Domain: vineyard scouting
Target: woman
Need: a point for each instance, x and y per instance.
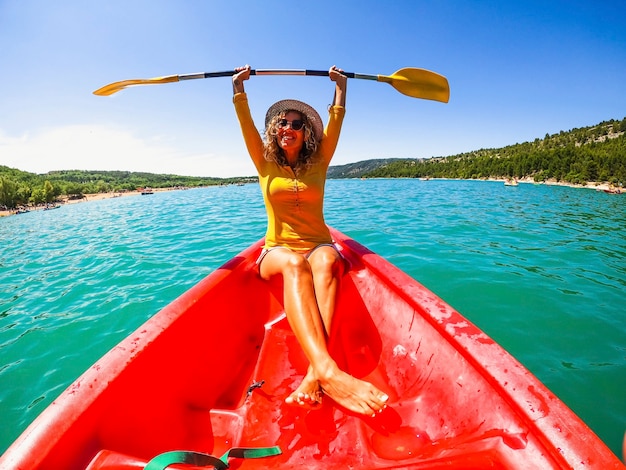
(292, 165)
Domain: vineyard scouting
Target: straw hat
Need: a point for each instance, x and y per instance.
(294, 105)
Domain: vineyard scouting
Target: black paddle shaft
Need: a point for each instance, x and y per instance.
(313, 73)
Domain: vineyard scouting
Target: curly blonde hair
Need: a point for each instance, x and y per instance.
(272, 151)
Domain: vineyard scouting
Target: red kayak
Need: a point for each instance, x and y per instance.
(207, 377)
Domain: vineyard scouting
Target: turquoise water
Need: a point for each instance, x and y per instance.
(540, 269)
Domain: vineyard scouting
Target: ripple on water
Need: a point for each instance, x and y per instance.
(540, 269)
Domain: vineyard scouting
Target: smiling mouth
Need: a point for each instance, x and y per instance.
(287, 138)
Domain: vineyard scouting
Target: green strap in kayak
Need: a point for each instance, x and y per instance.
(162, 461)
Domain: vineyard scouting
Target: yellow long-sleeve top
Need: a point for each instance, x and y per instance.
(294, 203)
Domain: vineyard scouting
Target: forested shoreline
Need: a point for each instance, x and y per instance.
(579, 156)
(20, 188)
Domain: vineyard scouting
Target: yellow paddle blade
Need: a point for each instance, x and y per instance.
(419, 83)
(111, 88)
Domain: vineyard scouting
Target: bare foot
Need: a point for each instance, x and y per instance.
(353, 394)
(308, 394)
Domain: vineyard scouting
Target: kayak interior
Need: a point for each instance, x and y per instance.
(211, 371)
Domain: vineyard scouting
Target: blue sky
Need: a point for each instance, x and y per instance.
(517, 70)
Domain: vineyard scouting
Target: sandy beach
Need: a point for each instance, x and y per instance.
(591, 185)
(88, 197)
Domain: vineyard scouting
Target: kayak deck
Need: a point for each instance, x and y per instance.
(212, 369)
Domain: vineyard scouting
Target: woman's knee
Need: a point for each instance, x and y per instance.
(328, 261)
(297, 264)
(283, 262)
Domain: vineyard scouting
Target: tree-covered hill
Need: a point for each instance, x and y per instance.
(20, 188)
(579, 156)
(358, 169)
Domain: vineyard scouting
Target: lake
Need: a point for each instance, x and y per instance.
(541, 269)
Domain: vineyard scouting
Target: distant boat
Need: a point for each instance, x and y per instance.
(49, 207)
(614, 191)
(147, 191)
(510, 182)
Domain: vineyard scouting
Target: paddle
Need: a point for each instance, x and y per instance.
(417, 83)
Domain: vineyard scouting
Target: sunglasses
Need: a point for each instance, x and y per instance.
(296, 124)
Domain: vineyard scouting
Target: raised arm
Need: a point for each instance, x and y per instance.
(336, 113)
(341, 85)
(251, 135)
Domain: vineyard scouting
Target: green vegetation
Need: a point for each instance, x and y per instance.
(20, 188)
(580, 156)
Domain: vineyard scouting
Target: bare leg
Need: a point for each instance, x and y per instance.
(327, 269)
(306, 322)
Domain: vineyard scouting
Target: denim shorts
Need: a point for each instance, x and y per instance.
(265, 251)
